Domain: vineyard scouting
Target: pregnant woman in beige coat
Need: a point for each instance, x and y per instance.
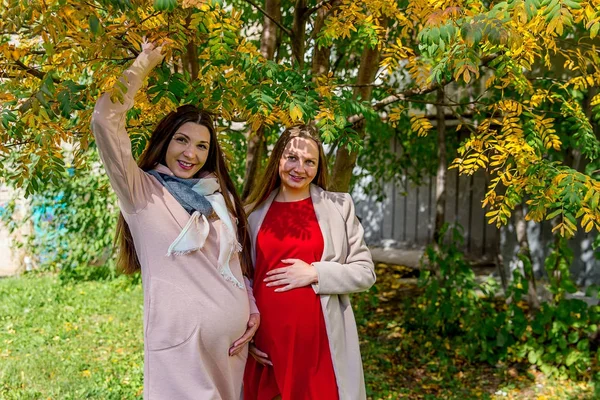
(309, 256)
(183, 226)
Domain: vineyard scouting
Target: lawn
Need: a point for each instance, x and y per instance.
(73, 341)
(84, 340)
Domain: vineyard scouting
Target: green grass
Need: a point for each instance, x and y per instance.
(72, 341)
(84, 341)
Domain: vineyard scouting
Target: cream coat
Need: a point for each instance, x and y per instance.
(346, 267)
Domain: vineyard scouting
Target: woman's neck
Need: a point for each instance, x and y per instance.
(287, 195)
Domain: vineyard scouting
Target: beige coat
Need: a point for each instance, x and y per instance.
(346, 267)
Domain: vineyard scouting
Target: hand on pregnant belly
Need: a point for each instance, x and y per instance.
(298, 274)
(252, 326)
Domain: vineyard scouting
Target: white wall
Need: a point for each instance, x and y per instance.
(10, 261)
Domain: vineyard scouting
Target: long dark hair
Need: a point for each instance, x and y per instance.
(271, 180)
(127, 260)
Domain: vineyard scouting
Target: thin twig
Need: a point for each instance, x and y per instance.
(19, 143)
(311, 11)
(463, 122)
(156, 13)
(96, 7)
(283, 28)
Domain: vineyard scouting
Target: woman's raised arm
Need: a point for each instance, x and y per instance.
(108, 127)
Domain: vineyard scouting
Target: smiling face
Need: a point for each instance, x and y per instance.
(188, 150)
(298, 166)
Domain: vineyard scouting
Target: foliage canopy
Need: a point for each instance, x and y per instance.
(520, 77)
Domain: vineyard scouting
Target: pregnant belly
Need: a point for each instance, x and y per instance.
(293, 315)
(174, 316)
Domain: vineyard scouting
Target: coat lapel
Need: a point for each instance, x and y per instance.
(322, 213)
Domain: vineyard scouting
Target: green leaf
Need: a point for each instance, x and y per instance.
(568, 285)
(594, 30)
(573, 337)
(500, 339)
(572, 4)
(532, 357)
(583, 345)
(94, 24)
(553, 214)
(572, 357)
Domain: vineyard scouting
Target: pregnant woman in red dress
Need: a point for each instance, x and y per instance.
(309, 254)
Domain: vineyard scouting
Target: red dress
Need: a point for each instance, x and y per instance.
(292, 328)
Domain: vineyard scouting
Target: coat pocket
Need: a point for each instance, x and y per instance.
(172, 316)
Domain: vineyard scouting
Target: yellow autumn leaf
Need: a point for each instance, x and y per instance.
(296, 113)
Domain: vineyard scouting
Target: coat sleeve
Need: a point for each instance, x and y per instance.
(251, 299)
(114, 146)
(357, 272)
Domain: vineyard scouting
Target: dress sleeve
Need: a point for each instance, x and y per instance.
(251, 299)
(114, 146)
(357, 273)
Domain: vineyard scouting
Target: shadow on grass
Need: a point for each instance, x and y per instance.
(80, 340)
(400, 363)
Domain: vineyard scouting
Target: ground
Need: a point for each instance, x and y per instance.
(84, 340)
(400, 364)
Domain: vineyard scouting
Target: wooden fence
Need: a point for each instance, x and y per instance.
(407, 214)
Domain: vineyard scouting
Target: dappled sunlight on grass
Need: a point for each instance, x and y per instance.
(70, 341)
(84, 340)
(400, 363)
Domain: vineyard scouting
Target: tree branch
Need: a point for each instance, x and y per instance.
(405, 95)
(6, 75)
(119, 60)
(32, 71)
(283, 28)
(95, 6)
(298, 42)
(311, 11)
(360, 85)
(444, 104)
(19, 143)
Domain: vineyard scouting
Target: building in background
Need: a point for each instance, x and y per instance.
(13, 260)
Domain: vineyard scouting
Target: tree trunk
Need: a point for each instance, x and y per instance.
(499, 261)
(299, 33)
(268, 39)
(191, 55)
(344, 160)
(523, 240)
(440, 182)
(257, 150)
(257, 145)
(320, 65)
